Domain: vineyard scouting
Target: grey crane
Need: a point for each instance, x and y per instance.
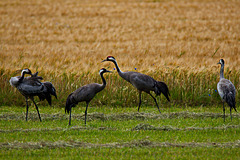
(31, 86)
(85, 94)
(226, 90)
(142, 82)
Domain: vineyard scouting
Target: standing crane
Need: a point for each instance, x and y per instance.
(85, 94)
(226, 90)
(31, 86)
(142, 82)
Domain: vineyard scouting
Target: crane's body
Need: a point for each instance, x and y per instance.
(32, 86)
(226, 90)
(85, 94)
(142, 82)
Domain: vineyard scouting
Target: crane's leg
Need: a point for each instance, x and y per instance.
(155, 101)
(231, 113)
(37, 110)
(223, 111)
(70, 115)
(86, 113)
(26, 109)
(140, 101)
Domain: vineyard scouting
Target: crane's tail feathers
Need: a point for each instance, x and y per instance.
(49, 99)
(48, 90)
(235, 109)
(161, 87)
(230, 99)
(47, 96)
(69, 103)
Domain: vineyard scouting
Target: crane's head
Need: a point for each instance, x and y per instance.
(103, 70)
(110, 58)
(26, 71)
(221, 61)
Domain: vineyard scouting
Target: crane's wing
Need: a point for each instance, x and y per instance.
(35, 74)
(86, 93)
(142, 82)
(33, 78)
(225, 87)
(31, 87)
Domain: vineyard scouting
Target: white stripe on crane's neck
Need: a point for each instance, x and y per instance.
(112, 59)
(101, 70)
(24, 71)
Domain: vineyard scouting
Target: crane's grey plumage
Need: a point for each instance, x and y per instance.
(226, 90)
(85, 94)
(142, 82)
(32, 86)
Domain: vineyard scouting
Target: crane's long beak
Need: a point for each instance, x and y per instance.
(218, 63)
(104, 60)
(108, 71)
(18, 71)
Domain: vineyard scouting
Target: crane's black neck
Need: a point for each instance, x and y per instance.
(121, 74)
(222, 71)
(103, 79)
(22, 76)
(118, 69)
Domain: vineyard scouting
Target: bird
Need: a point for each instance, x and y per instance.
(226, 90)
(32, 86)
(85, 94)
(142, 82)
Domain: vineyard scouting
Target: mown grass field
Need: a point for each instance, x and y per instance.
(119, 133)
(178, 42)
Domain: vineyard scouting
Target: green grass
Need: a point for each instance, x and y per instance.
(125, 153)
(119, 133)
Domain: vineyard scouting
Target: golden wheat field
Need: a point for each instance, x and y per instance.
(74, 36)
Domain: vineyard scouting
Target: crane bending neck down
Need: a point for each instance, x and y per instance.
(30, 87)
(24, 71)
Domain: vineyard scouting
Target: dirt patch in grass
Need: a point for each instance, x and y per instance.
(170, 128)
(55, 129)
(140, 143)
(140, 126)
(119, 117)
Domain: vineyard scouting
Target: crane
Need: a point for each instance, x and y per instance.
(226, 90)
(142, 82)
(32, 86)
(85, 94)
